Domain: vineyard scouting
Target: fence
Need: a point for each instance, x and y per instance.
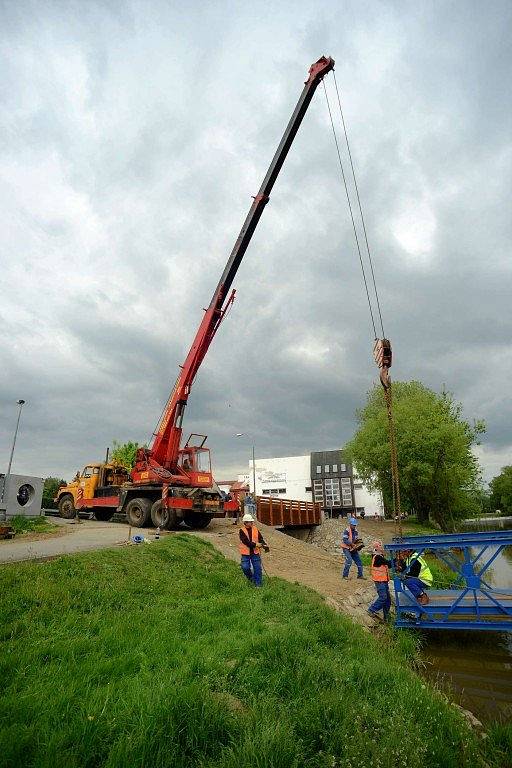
(286, 512)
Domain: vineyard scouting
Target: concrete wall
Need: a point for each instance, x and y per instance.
(289, 473)
(370, 502)
(22, 495)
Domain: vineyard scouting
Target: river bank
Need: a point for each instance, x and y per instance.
(163, 655)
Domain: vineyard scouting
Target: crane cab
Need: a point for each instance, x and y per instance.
(194, 459)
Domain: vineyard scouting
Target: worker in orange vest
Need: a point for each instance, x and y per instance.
(251, 541)
(380, 577)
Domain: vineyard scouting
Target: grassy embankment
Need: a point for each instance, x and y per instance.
(162, 655)
(23, 524)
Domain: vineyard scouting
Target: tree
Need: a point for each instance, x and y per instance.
(50, 488)
(501, 491)
(124, 453)
(439, 474)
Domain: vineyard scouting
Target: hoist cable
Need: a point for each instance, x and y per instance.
(360, 206)
(350, 209)
(395, 482)
(386, 382)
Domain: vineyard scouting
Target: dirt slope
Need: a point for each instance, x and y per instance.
(300, 562)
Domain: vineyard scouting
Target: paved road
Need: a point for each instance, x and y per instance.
(88, 534)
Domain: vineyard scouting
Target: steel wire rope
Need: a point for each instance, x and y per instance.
(395, 483)
(370, 260)
(350, 209)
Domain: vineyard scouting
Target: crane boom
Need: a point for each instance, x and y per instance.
(164, 452)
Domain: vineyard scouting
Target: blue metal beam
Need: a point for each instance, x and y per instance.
(477, 605)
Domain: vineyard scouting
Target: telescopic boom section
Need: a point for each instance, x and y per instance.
(166, 445)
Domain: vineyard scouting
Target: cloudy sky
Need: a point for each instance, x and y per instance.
(132, 136)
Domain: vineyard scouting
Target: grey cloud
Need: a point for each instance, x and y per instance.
(150, 142)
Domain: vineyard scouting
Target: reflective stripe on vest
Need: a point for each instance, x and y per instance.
(379, 572)
(425, 572)
(253, 535)
(350, 539)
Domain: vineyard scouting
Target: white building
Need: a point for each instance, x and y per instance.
(289, 477)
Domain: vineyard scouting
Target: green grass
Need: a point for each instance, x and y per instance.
(23, 524)
(412, 527)
(163, 655)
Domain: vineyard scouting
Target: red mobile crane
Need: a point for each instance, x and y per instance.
(169, 482)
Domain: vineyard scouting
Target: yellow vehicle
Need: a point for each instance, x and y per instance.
(97, 487)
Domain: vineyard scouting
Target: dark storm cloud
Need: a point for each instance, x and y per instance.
(131, 143)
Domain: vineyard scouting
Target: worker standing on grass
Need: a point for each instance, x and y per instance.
(380, 577)
(251, 541)
(351, 544)
(417, 575)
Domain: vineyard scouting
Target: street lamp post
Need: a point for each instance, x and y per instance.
(21, 403)
(242, 434)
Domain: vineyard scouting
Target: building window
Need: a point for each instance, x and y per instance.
(332, 493)
(346, 492)
(318, 469)
(318, 490)
(308, 489)
(334, 467)
(282, 490)
(343, 467)
(358, 486)
(326, 468)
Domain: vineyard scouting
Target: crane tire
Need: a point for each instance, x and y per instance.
(67, 507)
(163, 517)
(197, 520)
(138, 512)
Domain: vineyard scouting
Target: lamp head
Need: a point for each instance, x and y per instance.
(21, 402)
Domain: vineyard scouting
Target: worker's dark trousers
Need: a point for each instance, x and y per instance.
(383, 601)
(352, 557)
(251, 566)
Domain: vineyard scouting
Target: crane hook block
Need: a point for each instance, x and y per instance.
(382, 353)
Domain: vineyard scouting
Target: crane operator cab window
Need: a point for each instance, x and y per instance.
(186, 463)
(203, 460)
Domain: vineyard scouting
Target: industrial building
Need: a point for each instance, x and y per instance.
(321, 476)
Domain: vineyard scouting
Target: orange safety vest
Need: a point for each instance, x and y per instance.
(350, 539)
(253, 535)
(379, 572)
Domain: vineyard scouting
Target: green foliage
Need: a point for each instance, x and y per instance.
(50, 488)
(22, 524)
(163, 655)
(124, 453)
(501, 491)
(439, 474)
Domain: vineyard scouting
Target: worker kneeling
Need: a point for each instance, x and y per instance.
(251, 541)
(416, 574)
(380, 577)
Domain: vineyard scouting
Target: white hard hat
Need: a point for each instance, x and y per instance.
(248, 518)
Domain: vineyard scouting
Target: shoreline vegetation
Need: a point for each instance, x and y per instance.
(162, 655)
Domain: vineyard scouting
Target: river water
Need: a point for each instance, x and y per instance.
(476, 667)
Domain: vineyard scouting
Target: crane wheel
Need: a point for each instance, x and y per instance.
(67, 507)
(138, 512)
(197, 520)
(163, 517)
(104, 515)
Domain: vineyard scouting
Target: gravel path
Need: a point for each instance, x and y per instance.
(68, 538)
